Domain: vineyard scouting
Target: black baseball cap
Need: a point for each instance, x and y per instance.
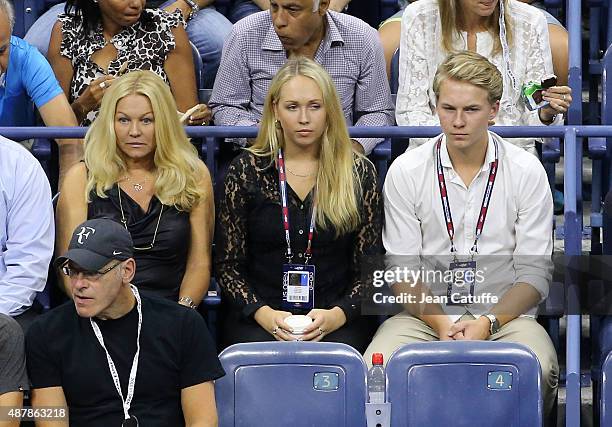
(96, 242)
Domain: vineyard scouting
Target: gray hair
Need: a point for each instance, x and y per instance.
(7, 7)
(315, 5)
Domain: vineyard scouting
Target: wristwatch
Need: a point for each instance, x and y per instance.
(494, 323)
(188, 302)
(194, 8)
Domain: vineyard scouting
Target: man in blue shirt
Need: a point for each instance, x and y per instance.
(26, 77)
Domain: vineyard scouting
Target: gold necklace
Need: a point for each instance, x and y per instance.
(124, 222)
(300, 175)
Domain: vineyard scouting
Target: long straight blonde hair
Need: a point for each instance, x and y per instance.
(338, 185)
(451, 18)
(176, 159)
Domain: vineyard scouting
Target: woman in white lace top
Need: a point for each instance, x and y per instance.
(512, 35)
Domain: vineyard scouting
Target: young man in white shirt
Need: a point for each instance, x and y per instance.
(471, 172)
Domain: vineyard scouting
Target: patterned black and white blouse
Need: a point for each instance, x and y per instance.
(144, 45)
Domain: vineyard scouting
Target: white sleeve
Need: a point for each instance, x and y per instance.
(534, 244)
(413, 107)
(536, 46)
(30, 233)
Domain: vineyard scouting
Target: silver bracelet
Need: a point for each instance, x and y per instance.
(194, 8)
(188, 301)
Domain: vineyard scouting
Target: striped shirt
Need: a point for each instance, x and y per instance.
(350, 52)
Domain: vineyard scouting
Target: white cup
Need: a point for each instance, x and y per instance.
(298, 324)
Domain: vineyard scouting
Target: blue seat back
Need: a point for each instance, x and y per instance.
(273, 385)
(394, 75)
(27, 12)
(197, 65)
(223, 6)
(604, 344)
(388, 8)
(464, 383)
(606, 391)
(606, 119)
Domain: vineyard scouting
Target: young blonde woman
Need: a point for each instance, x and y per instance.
(510, 34)
(390, 29)
(299, 213)
(141, 171)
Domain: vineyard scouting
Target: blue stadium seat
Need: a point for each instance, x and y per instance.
(597, 146)
(381, 156)
(27, 12)
(388, 8)
(554, 6)
(606, 393)
(604, 361)
(197, 65)
(279, 384)
(596, 149)
(210, 308)
(223, 6)
(44, 298)
(600, 36)
(394, 75)
(464, 383)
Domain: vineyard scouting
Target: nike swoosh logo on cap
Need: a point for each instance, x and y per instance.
(116, 253)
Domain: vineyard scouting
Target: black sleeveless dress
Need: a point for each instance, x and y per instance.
(159, 270)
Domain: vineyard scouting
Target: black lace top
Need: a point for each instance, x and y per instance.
(251, 246)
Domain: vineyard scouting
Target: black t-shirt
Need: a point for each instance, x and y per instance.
(176, 351)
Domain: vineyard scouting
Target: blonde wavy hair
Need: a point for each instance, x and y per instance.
(176, 159)
(473, 68)
(451, 18)
(338, 185)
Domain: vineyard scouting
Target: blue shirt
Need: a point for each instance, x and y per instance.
(29, 78)
(26, 228)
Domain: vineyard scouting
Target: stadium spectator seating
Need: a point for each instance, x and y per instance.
(291, 383)
(501, 379)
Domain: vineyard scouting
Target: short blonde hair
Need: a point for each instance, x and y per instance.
(338, 187)
(176, 159)
(471, 68)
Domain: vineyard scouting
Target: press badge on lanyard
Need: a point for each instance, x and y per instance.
(461, 287)
(298, 279)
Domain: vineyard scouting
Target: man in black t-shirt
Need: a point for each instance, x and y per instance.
(114, 357)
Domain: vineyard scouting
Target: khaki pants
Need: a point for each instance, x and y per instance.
(404, 329)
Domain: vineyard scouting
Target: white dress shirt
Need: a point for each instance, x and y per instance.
(27, 229)
(516, 242)
(421, 53)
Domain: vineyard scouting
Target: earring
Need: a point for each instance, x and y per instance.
(277, 124)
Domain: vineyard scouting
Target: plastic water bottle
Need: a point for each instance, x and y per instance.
(377, 380)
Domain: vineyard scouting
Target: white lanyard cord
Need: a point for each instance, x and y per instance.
(111, 365)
